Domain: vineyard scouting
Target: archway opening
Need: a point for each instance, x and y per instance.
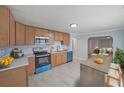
(100, 46)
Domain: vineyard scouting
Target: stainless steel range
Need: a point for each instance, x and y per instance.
(42, 61)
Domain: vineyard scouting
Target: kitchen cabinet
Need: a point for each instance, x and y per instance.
(41, 32)
(66, 38)
(20, 34)
(12, 30)
(64, 57)
(59, 58)
(16, 77)
(51, 37)
(58, 36)
(53, 60)
(30, 35)
(31, 66)
(4, 26)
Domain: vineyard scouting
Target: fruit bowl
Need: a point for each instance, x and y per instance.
(6, 62)
(99, 61)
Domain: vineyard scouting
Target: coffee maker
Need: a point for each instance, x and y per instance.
(16, 53)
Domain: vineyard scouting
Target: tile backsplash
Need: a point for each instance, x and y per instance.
(3, 52)
(28, 49)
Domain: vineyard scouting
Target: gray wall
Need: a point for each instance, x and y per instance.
(82, 40)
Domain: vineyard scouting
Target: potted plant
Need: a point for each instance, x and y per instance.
(119, 57)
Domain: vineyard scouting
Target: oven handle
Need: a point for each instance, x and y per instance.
(42, 56)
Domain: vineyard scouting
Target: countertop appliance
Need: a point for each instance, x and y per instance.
(42, 61)
(16, 53)
(69, 56)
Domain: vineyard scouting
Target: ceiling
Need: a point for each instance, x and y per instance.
(59, 17)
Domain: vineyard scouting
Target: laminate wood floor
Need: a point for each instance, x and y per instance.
(66, 75)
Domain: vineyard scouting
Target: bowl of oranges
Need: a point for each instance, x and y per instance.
(6, 61)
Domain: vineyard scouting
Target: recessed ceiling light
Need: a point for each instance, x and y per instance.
(108, 37)
(74, 25)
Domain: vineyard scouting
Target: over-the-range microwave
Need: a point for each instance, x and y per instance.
(41, 40)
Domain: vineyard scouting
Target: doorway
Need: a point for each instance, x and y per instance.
(100, 46)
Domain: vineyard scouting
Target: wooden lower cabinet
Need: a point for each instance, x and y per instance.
(58, 58)
(31, 66)
(64, 57)
(16, 77)
(53, 60)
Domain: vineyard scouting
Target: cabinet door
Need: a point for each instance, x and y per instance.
(4, 26)
(20, 34)
(60, 35)
(12, 30)
(54, 60)
(56, 36)
(66, 38)
(16, 77)
(40, 32)
(51, 40)
(64, 57)
(59, 59)
(30, 35)
(31, 66)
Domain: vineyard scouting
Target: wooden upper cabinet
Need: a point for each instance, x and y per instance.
(12, 30)
(40, 32)
(58, 36)
(20, 34)
(30, 35)
(66, 38)
(51, 37)
(4, 26)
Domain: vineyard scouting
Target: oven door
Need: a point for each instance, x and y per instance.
(42, 61)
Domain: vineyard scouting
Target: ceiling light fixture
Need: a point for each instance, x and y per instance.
(108, 37)
(74, 25)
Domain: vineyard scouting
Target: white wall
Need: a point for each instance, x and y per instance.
(82, 41)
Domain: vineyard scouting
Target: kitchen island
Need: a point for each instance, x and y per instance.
(93, 74)
(15, 75)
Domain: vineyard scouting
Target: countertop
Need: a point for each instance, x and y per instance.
(100, 67)
(58, 51)
(22, 61)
